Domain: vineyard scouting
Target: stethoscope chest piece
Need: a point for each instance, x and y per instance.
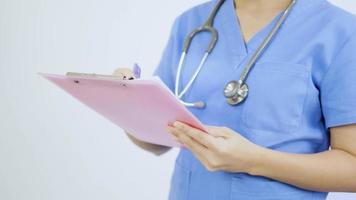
(235, 92)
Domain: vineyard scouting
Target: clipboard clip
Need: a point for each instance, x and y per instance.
(86, 75)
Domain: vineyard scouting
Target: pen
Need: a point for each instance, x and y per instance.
(136, 70)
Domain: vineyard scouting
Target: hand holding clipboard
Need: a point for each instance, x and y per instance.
(142, 107)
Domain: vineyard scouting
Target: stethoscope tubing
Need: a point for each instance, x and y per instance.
(233, 96)
(266, 42)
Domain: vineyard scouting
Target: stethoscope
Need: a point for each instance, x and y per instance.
(235, 91)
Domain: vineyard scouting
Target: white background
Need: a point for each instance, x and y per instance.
(51, 146)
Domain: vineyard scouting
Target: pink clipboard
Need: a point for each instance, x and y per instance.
(141, 107)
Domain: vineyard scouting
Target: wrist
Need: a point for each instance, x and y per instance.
(257, 161)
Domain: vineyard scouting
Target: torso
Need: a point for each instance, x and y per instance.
(283, 110)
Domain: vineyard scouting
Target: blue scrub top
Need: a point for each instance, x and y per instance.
(304, 83)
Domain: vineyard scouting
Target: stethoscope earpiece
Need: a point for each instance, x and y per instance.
(199, 104)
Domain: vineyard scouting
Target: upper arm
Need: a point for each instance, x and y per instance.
(344, 138)
(338, 98)
(338, 88)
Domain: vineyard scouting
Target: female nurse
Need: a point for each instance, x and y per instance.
(294, 137)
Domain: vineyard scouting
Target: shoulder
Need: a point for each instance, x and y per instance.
(340, 13)
(330, 26)
(201, 9)
(340, 19)
(340, 35)
(194, 16)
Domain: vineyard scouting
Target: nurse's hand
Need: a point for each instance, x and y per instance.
(221, 149)
(124, 73)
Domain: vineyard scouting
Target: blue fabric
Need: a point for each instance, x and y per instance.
(304, 83)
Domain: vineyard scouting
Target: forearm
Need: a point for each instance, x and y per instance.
(153, 148)
(333, 170)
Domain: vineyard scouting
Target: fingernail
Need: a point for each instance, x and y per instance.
(177, 124)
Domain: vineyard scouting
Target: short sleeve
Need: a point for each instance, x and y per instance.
(338, 88)
(169, 59)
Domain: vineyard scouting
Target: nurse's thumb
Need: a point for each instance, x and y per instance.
(124, 73)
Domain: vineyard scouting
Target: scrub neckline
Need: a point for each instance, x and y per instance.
(261, 33)
(232, 27)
